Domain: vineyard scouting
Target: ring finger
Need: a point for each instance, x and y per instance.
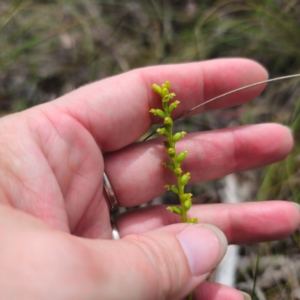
(242, 223)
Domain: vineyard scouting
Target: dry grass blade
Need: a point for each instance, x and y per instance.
(230, 93)
(239, 89)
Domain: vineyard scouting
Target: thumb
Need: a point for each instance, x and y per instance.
(167, 263)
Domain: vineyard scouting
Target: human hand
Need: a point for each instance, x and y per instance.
(51, 167)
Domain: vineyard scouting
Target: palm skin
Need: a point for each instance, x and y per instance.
(52, 160)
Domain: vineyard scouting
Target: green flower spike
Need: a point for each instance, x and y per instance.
(176, 159)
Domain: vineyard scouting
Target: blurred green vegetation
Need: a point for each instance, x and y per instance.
(49, 48)
(74, 42)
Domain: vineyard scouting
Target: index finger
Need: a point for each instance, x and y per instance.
(116, 110)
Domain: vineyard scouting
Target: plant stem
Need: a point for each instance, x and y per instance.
(177, 166)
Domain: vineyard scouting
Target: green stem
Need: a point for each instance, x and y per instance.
(177, 165)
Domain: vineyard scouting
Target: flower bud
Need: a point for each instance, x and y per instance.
(183, 197)
(185, 178)
(177, 172)
(187, 204)
(166, 97)
(173, 105)
(171, 187)
(174, 189)
(169, 165)
(157, 88)
(177, 136)
(158, 112)
(186, 196)
(167, 84)
(172, 95)
(168, 121)
(171, 152)
(165, 91)
(163, 131)
(181, 156)
(175, 209)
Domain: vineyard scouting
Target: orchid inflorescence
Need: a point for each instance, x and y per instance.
(176, 159)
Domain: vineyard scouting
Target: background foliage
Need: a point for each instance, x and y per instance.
(51, 47)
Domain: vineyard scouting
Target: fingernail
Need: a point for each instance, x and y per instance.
(204, 246)
(246, 296)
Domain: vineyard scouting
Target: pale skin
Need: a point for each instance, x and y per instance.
(55, 233)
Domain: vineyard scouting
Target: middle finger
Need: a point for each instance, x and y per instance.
(137, 174)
